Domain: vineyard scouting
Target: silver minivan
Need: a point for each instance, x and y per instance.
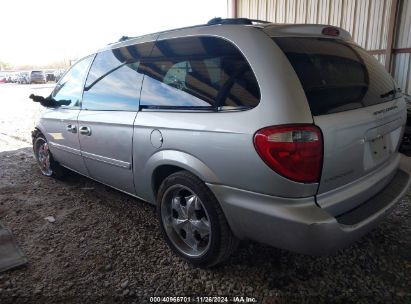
(237, 129)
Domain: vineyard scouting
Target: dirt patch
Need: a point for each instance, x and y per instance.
(105, 246)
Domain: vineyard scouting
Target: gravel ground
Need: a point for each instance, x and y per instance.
(105, 247)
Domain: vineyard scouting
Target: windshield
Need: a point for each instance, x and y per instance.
(337, 76)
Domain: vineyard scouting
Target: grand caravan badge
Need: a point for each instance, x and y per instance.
(385, 110)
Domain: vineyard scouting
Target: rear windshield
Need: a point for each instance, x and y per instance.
(337, 76)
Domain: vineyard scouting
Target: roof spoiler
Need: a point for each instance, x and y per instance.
(219, 20)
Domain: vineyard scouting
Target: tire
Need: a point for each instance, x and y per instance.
(192, 221)
(48, 166)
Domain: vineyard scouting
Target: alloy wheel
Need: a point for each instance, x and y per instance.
(186, 221)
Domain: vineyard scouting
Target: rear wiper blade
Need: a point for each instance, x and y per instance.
(392, 92)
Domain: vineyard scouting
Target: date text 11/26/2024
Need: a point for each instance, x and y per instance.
(208, 299)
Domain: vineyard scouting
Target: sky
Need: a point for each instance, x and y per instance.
(45, 31)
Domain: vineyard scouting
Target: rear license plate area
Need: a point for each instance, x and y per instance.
(379, 149)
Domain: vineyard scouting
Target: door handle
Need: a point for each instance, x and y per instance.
(85, 131)
(71, 128)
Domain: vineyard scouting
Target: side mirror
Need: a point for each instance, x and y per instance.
(36, 98)
(45, 102)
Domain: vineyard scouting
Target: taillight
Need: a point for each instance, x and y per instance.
(331, 31)
(294, 151)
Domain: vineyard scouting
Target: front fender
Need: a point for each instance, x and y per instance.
(38, 128)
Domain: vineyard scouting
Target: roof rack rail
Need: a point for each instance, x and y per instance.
(214, 21)
(219, 20)
(124, 38)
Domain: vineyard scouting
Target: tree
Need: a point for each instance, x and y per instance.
(5, 66)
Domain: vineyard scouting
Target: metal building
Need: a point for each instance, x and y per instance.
(383, 27)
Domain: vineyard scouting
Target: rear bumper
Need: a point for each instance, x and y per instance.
(299, 224)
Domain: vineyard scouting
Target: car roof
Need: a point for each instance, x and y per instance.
(271, 29)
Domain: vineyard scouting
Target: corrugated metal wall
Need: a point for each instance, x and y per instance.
(402, 62)
(366, 20)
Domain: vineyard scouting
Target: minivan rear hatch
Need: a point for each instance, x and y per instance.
(355, 103)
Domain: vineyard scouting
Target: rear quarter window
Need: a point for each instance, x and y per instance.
(336, 76)
(198, 72)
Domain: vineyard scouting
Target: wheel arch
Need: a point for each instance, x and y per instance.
(166, 162)
(35, 133)
(38, 129)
